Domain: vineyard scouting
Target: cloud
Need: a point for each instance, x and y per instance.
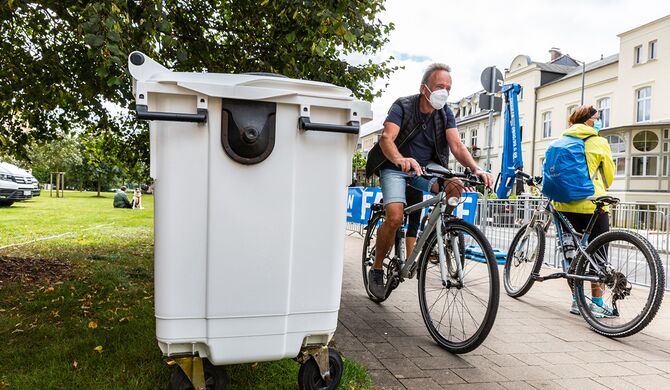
(411, 57)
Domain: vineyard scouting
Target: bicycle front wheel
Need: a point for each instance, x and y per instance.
(524, 259)
(632, 289)
(458, 315)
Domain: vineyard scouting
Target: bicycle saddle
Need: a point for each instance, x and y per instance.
(606, 199)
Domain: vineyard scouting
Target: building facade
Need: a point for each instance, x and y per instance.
(631, 89)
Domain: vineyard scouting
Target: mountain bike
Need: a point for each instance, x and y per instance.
(458, 283)
(622, 265)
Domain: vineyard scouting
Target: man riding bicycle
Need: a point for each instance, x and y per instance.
(418, 130)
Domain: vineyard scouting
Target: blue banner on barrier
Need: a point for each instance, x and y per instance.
(360, 199)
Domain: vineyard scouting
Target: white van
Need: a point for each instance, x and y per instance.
(21, 177)
(9, 190)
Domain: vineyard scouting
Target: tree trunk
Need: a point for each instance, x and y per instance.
(98, 185)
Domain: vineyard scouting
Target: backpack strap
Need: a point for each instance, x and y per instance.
(600, 166)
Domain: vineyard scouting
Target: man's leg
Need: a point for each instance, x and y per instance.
(393, 185)
(386, 232)
(413, 196)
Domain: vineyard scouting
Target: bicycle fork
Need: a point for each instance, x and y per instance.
(455, 250)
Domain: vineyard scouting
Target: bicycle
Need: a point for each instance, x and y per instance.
(606, 261)
(457, 270)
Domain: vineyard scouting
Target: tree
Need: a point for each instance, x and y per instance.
(64, 61)
(100, 151)
(62, 155)
(358, 161)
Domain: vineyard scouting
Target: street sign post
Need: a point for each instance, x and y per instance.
(492, 80)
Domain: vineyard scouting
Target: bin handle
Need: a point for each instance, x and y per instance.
(144, 113)
(352, 127)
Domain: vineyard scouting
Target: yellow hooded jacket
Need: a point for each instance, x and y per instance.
(598, 153)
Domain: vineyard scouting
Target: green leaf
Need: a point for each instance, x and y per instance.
(114, 36)
(113, 81)
(93, 40)
(290, 37)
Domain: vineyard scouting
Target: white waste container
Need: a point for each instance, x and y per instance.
(251, 174)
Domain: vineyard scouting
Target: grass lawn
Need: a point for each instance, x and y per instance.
(76, 309)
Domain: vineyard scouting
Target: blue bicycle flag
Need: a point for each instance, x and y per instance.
(511, 156)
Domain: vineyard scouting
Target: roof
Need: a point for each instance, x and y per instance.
(577, 71)
(554, 68)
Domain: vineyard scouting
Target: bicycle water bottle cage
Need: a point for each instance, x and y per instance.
(248, 130)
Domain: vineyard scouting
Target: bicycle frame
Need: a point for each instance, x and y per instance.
(563, 227)
(408, 265)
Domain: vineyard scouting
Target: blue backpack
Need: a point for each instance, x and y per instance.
(565, 175)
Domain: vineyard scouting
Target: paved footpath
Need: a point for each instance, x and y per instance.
(534, 344)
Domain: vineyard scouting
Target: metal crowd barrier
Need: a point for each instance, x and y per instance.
(506, 216)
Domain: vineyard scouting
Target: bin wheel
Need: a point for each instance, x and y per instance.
(215, 377)
(309, 376)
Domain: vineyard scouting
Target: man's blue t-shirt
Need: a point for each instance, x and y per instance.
(422, 146)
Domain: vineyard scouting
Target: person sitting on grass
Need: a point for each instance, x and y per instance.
(121, 199)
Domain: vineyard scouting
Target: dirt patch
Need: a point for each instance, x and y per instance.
(32, 270)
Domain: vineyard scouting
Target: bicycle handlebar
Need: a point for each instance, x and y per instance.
(446, 173)
(533, 181)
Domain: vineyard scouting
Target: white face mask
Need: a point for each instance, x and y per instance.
(438, 98)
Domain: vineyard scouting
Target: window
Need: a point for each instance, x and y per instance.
(462, 135)
(665, 165)
(645, 141)
(643, 104)
(619, 166)
(652, 50)
(546, 124)
(616, 144)
(618, 148)
(666, 147)
(604, 108)
(637, 58)
(645, 166)
(666, 133)
(473, 137)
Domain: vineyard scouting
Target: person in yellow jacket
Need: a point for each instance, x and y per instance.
(585, 124)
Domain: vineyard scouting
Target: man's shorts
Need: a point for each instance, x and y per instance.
(393, 184)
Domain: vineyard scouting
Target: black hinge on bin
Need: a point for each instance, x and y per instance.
(144, 113)
(248, 130)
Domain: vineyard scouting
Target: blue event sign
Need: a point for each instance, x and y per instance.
(359, 200)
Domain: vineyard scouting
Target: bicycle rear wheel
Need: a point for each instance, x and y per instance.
(369, 257)
(459, 317)
(524, 258)
(633, 288)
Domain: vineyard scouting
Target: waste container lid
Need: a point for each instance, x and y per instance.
(241, 86)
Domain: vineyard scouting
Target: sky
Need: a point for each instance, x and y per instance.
(472, 35)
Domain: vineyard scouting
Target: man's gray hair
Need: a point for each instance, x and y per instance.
(432, 68)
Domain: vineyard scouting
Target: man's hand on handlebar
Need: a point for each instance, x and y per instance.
(408, 164)
(484, 176)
